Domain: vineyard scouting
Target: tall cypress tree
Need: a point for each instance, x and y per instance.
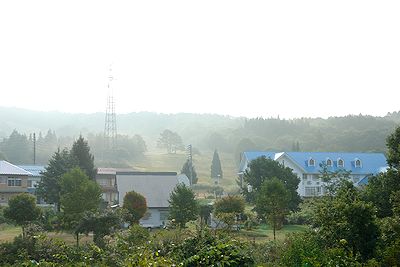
(216, 168)
(82, 157)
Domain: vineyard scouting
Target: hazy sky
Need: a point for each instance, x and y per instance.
(241, 58)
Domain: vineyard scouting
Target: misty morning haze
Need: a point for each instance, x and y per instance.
(287, 58)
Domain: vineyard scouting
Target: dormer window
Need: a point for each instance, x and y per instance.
(357, 163)
(329, 163)
(340, 163)
(311, 162)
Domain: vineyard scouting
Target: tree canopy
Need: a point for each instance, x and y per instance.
(272, 202)
(262, 169)
(49, 186)
(346, 217)
(78, 195)
(80, 153)
(22, 210)
(393, 146)
(136, 206)
(170, 140)
(183, 207)
(190, 171)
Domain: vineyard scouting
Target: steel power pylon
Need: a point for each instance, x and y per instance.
(110, 126)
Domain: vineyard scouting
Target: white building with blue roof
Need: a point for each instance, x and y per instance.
(307, 166)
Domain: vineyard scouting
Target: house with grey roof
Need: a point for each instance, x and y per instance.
(156, 187)
(308, 166)
(13, 181)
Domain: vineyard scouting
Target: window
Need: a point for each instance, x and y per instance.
(304, 176)
(30, 183)
(164, 215)
(311, 162)
(357, 163)
(340, 163)
(14, 182)
(313, 191)
(329, 163)
(103, 182)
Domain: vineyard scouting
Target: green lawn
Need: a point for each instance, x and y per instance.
(264, 232)
(8, 232)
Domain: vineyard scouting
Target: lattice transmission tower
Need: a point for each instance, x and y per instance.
(110, 125)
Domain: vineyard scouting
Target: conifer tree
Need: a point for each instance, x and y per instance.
(49, 187)
(82, 157)
(216, 169)
(190, 172)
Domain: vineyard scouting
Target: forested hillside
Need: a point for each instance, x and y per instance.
(139, 132)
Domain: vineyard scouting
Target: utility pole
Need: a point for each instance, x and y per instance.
(190, 159)
(34, 148)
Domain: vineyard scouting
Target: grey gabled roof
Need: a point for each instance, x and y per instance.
(6, 168)
(156, 187)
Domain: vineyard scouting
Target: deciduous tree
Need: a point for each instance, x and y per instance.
(393, 146)
(347, 218)
(262, 169)
(272, 202)
(136, 206)
(22, 210)
(170, 140)
(228, 209)
(78, 195)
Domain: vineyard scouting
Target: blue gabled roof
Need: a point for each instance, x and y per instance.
(35, 170)
(371, 163)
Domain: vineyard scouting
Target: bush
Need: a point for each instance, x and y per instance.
(207, 249)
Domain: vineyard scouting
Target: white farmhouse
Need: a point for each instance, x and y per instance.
(307, 166)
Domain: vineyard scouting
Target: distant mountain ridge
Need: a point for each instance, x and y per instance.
(210, 131)
(72, 124)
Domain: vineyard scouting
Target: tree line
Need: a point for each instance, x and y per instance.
(227, 134)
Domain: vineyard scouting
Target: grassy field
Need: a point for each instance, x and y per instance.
(265, 232)
(261, 234)
(9, 232)
(160, 161)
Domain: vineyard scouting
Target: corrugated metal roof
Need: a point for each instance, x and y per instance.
(10, 169)
(155, 187)
(36, 170)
